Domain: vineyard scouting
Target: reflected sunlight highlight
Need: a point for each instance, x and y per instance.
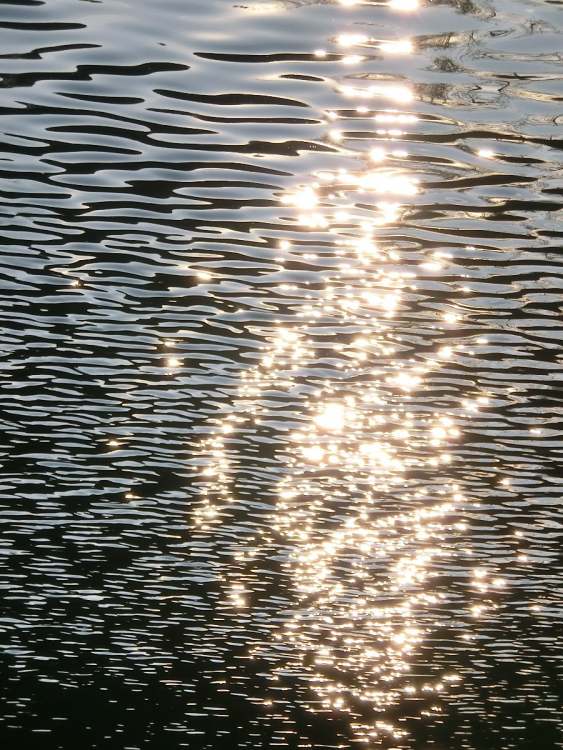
(365, 513)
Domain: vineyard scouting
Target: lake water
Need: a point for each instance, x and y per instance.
(281, 339)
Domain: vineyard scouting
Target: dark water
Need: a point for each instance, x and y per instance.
(147, 150)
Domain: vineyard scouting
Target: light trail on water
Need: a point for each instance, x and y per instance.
(366, 511)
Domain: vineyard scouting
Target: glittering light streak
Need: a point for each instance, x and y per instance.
(361, 538)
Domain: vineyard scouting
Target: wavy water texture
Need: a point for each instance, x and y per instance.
(262, 487)
(361, 523)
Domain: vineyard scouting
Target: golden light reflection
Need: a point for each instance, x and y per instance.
(365, 512)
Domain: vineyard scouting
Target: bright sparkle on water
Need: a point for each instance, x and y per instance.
(361, 535)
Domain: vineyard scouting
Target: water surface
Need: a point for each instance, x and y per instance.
(281, 362)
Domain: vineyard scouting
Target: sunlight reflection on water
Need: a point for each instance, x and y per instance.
(360, 520)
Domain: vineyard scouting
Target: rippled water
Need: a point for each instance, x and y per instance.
(281, 373)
